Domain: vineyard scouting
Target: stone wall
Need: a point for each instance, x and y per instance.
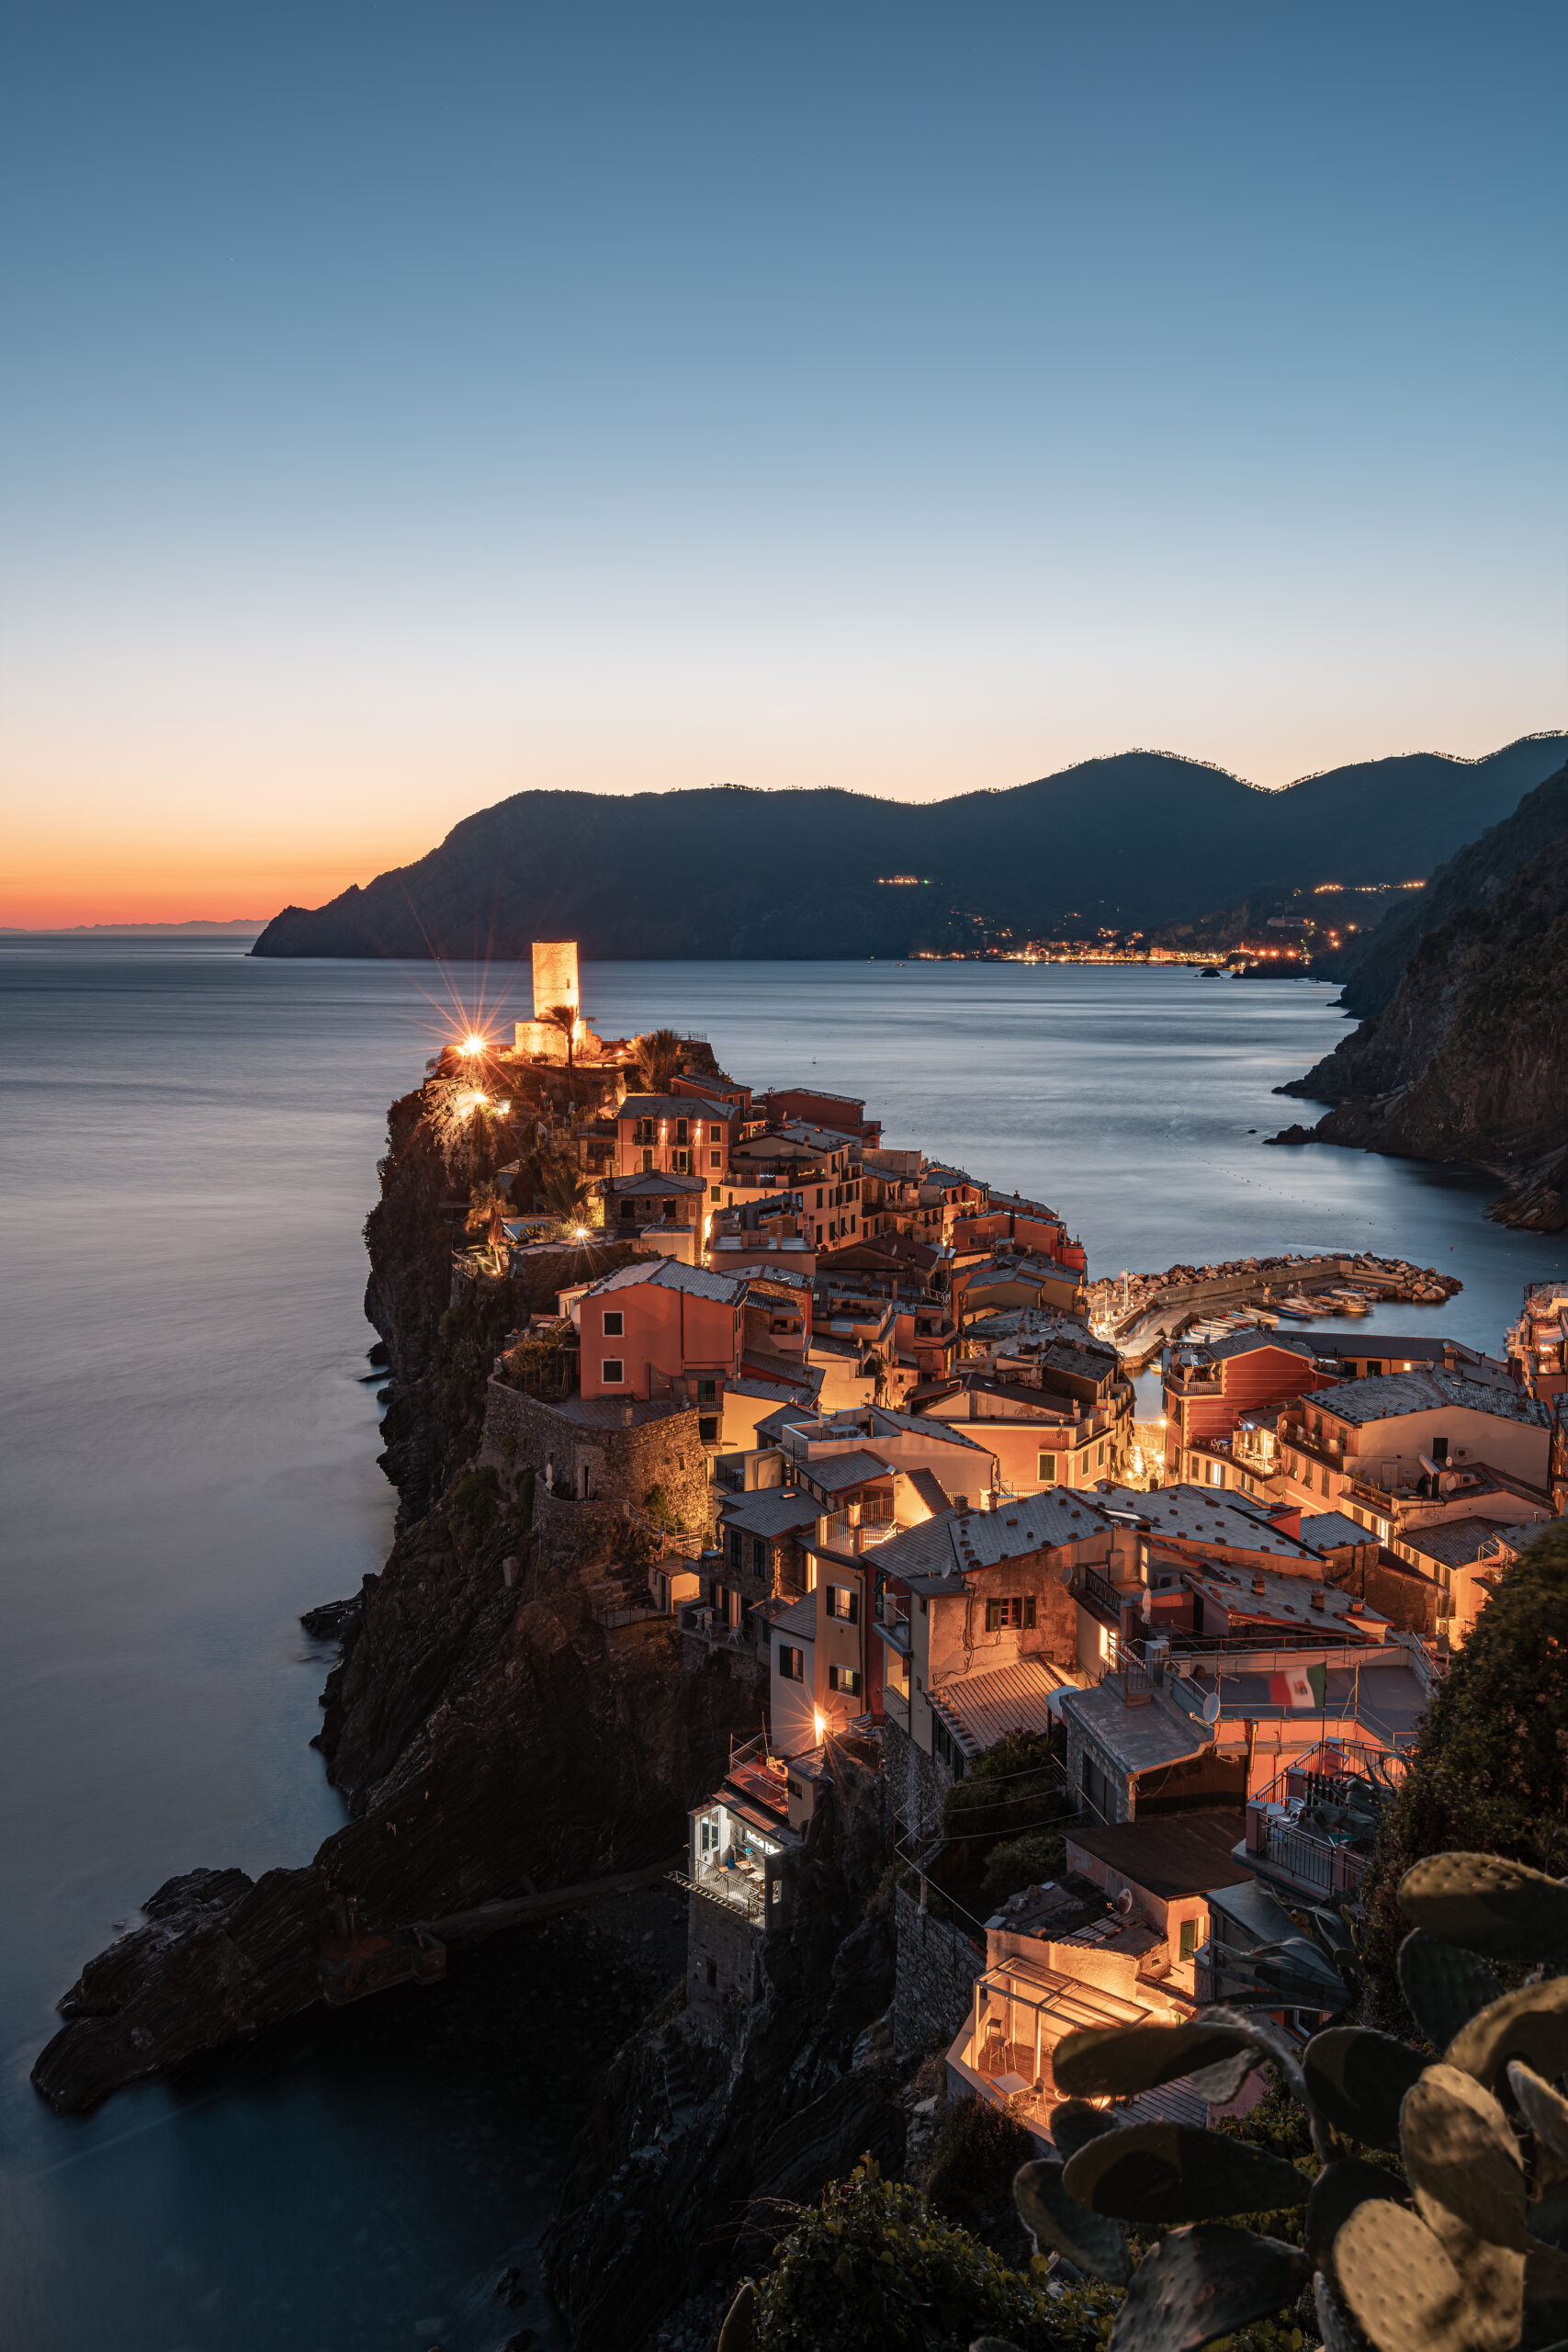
(722, 1948)
(917, 1782)
(937, 1968)
(622, 1464)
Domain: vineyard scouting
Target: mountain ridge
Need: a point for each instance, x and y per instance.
(729, 871)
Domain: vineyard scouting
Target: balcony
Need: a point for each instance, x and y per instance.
(1312, 1830)
(1101, 1598)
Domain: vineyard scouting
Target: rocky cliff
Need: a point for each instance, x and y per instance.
(1373, 968)
(1469, 1060)
(490, 1732)
(677, 2176)
(494, 1733)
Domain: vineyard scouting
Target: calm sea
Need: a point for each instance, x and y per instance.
(186, 1154)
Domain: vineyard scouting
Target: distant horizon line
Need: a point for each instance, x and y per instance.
(186, 923)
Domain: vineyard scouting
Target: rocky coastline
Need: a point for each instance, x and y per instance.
(1467, 1060)
(495, 1737)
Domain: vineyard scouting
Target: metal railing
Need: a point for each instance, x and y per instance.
(1099, 1594)
(737, 1894)
(1306, 1859)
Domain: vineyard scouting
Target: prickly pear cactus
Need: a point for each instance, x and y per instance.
(1465, 2249)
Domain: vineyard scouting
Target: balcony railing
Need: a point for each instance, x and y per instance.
(1100, 1597)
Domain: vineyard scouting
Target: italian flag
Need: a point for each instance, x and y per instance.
(1300, 1686)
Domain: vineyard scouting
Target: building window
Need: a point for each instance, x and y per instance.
(1048, 1468)
(844, 1603)
(759, 1556)
(615, 1323)
(715, 1192)
(844, 1678)
(1014, 1615)
(735, 1541)
(1188, 1938)
(1099, 1456)
(707, 1391)
(613, 1372)
(707, 1428)
(648, 1163)
(682, 1162)
(715, 1135)
(716, 1160)
(681, 1131)
(818, 1195)
(792, 1663)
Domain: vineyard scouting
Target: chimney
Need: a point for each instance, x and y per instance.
(1318, 1601)
(1258, 1584)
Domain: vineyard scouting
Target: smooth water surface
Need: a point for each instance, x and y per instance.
(188, 1152)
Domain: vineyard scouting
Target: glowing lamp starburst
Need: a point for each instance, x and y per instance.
(473, 1044)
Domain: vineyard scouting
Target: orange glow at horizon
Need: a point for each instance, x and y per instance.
(56, 878)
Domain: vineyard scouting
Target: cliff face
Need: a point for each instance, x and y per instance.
(485, 1727)
(1144, 838)
(1469, 1061)
(678, 2173)
(1372, 970)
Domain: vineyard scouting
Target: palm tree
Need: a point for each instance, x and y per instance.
(565, 1193)
(659, 1054)
(564, 1017)
(485, 1201)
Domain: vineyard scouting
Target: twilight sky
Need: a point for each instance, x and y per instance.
(410, 402)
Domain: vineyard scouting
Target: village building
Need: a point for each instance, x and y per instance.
(1538, 1343)
(1378, 1449)
(660, 1329)
(739, 1881)
(1031, 1227)
(1061, 1427)
(814, 1106)
(1005, 1278)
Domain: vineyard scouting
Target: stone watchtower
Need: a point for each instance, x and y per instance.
(555, 976)
(555, 982)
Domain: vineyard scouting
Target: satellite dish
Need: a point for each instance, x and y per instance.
(1204, 1706)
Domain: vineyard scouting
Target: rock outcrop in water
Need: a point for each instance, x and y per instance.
(1468, 1062)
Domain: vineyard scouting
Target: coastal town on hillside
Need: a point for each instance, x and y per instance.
(861, 1431)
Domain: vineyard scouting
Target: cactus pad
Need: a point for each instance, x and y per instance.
(1531, 2024)
(1462, 2159)
(1057, 2220)
(1336, 2193)
(1443, 1986)
(1357, 2078)
(1161, 2173)
(1200, 2284)
(1504, 1910)
(1544, 2108)
(1400, 2287)
(1075, 2124)
(1115, 2062)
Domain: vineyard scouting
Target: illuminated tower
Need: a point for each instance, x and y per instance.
(555, 976)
